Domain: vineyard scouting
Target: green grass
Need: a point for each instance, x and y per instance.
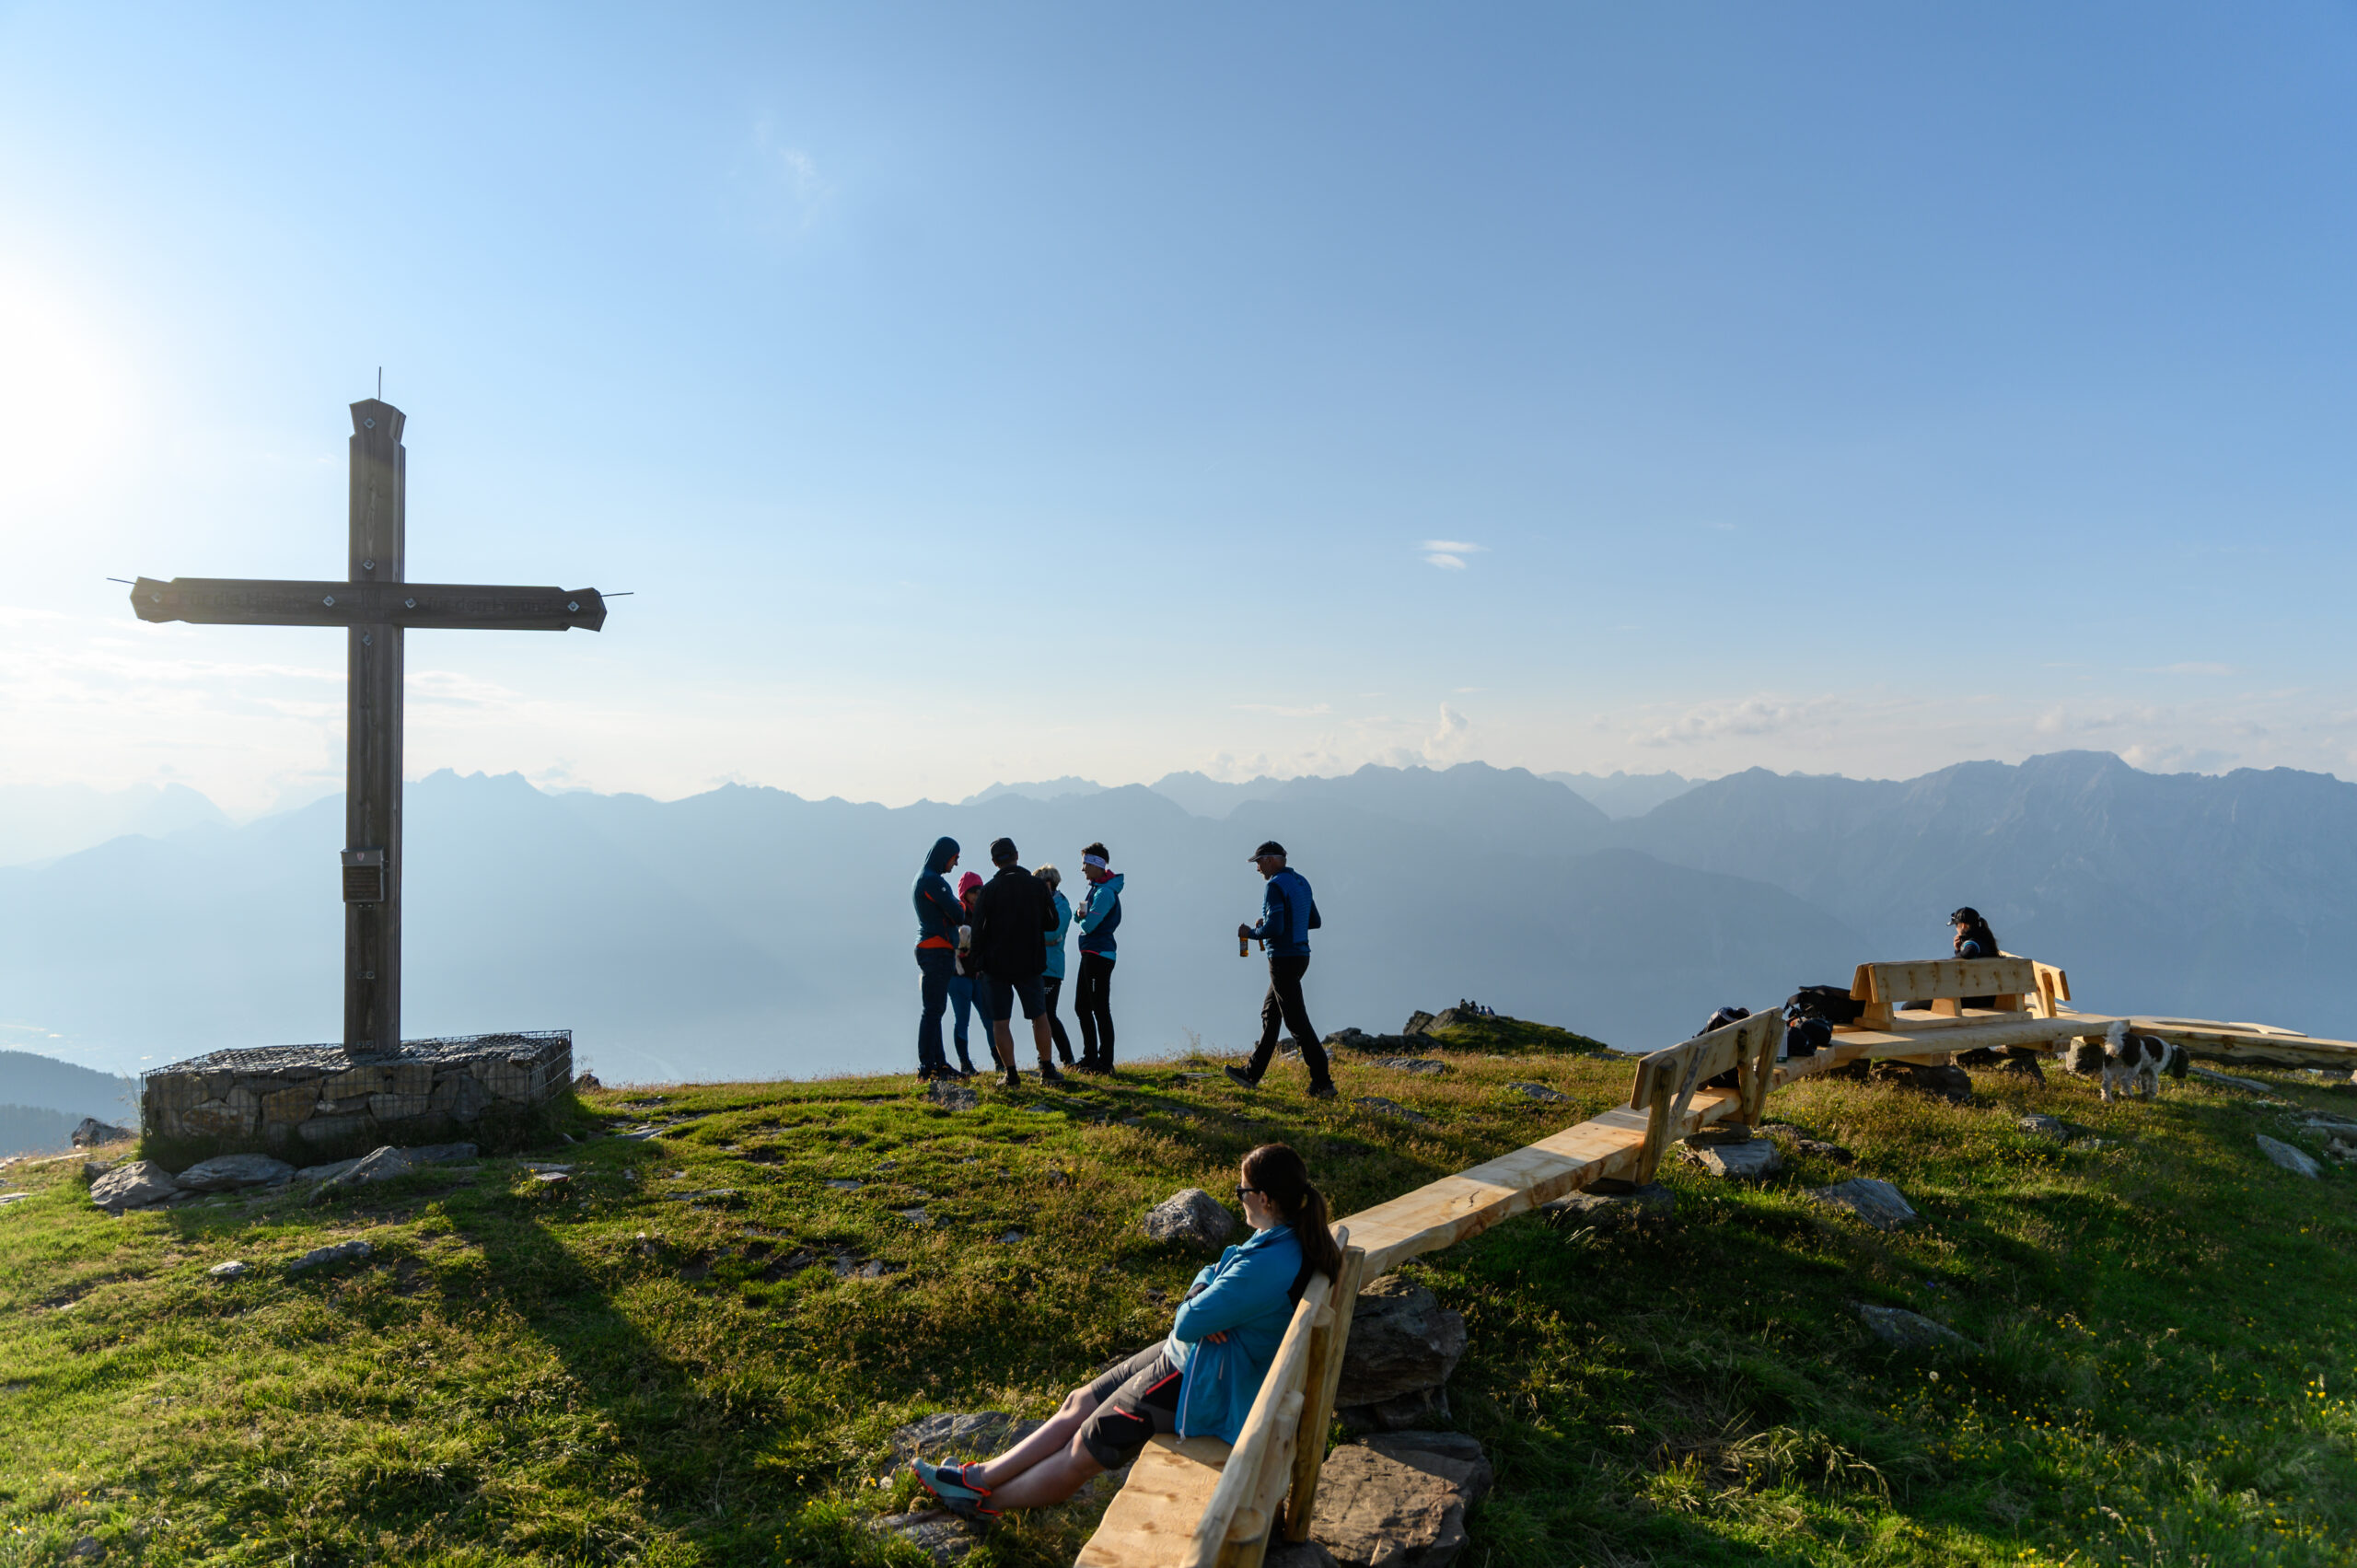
(620, 1376)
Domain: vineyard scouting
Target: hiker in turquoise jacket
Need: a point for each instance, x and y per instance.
(1101, 917)
(1053, 980)
(1199, 1382)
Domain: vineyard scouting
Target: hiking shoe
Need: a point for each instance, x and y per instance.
(1241, 1076)
(947, 1484)
(1048, 1073)
(1012, 1080)
(1323, 1091)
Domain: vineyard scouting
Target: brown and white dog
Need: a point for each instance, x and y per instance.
(2129, 1061)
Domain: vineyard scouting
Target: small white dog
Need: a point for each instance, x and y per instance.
(2133, 1062)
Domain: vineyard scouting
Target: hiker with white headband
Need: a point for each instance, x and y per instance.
(1100, 916)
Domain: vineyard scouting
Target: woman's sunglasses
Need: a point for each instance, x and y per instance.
(1241, 1190)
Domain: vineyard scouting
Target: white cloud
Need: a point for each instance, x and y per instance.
(1744, 716)
(1449, 554)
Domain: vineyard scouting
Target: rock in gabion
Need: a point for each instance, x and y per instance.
(1896, 1327)
(139, 1185)
(1193, 1216)
(226, 1173)
(2282, 1154)
(1875, 1201)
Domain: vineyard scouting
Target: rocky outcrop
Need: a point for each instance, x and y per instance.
(1194, 1217)
(1397, 1362)
(1399, 1499)
(93, 1132)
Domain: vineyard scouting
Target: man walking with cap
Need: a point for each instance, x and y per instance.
(1010, 940)
(1288, 914)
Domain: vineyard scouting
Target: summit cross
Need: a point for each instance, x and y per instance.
(375, 605)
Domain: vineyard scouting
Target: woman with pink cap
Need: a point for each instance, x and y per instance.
(961, 984)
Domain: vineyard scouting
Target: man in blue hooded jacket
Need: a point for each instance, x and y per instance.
(939, 915)
(1288, 914)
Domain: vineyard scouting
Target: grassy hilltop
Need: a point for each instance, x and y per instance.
(653, 1369)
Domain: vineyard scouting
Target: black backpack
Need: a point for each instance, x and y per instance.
(1722, 1017)
(1831, 1002)
(1806, 1036)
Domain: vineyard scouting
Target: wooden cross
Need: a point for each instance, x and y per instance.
(375, 605)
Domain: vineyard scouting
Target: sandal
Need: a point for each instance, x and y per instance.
(947, 1484)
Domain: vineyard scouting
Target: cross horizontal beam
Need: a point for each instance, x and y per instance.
(245, 601)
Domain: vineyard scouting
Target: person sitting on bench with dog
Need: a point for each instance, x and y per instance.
(1199, 1382)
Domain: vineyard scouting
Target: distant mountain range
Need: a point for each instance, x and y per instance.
(41, 1102)
(43, 822)
(749, 932)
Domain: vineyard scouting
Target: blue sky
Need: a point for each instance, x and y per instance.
(971, 393)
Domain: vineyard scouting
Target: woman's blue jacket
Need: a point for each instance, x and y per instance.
(1055, 969)
(1249, 1294)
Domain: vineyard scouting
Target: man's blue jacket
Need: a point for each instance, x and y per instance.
(1288, 914)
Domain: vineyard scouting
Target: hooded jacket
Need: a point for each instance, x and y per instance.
(938, 915)
(1249, 1295)
(1018, 913)
(1288, 914)
(1055, 969)
(1100, 916)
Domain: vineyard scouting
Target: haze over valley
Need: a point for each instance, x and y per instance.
(748, 931)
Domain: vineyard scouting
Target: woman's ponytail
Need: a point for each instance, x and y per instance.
(1281, 1176)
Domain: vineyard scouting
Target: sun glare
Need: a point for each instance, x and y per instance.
(64, 391)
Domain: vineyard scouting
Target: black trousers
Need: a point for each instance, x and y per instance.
(1284, 1004)
(1093, 1004)
(1054, 985)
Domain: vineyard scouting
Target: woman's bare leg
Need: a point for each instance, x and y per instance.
(1042, 1444)
(1051, 1479)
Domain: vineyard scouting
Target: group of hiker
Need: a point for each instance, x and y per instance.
(992, 947)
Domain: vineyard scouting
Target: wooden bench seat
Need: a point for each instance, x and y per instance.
(1151, 1521)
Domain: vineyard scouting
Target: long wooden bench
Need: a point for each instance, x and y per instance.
(1195, 1503)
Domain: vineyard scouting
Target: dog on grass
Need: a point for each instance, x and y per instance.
(2128, 1062)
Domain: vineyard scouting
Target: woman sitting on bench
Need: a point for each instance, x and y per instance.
(1199, 1382)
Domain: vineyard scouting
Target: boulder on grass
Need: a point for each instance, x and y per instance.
(1193, 1216)
(1611, 1204)
(1903, 1330)
(2282, 1154)
(1871, 1200)
(93, 1132)
(138, 1185)
(1402, 1348)
(1753, 1161)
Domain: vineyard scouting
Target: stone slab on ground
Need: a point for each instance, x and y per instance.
(972, 1434)
(1298, 1554)
(1896, 1327)
(234, 1269)
(952, 1096)
(2275, 1149)
(1402, 1342)
(1875, 1201)
(1392, 1109)
(1399, 1506)
(228, 1173)
(1753, 1161)
(938, 1533)
(2052, 1127)
(1947, 1083)
(1410, 1064)
(1621, 1205)
(1802, 1143)
(1539, 1092)
(342, 1252)
(1193, 1216)
(138, 1185)
(2253, 1085)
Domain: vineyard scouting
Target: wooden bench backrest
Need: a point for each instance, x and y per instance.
(1936, 980)
(1666, 1080)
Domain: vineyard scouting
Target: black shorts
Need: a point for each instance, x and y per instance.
(1135, 1401)
(1005, 992)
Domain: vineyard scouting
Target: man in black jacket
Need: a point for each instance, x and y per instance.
(1017, 911)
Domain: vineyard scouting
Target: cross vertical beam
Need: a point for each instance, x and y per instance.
(372, 809)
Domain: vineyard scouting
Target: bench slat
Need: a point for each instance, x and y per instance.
(1151, 1521)
(1935, 979)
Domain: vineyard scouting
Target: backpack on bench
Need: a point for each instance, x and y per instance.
(1831, 1002)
